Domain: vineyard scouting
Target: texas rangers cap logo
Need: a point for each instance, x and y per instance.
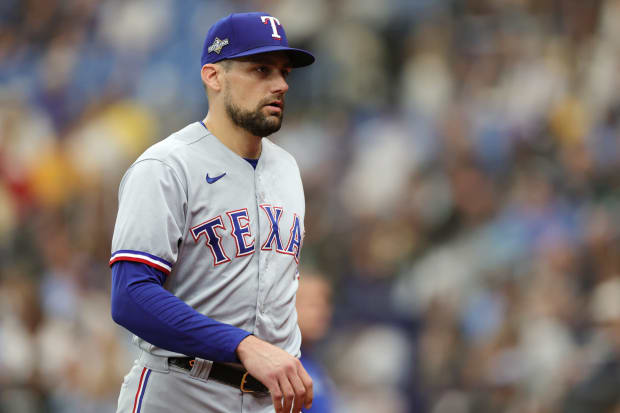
(217, 45)
(274, 28)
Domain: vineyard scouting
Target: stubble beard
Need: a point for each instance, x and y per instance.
(253, 121)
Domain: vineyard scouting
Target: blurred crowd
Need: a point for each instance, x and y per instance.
(461, 161)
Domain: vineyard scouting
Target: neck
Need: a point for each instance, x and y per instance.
(237, 139)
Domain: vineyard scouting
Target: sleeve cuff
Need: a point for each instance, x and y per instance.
(237, 338)
(143, 257)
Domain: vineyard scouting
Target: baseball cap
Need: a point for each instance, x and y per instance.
(245, 34)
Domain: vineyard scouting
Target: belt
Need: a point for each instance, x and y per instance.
(225, 373)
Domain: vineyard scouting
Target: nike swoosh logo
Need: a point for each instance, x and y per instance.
(214, 179)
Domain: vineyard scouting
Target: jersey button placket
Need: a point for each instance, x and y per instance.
(262, 267)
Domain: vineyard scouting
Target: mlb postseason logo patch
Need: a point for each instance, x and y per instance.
(217, 45)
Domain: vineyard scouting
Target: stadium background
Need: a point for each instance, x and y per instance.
(461, 161)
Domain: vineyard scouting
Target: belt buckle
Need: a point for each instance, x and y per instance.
(242, 385)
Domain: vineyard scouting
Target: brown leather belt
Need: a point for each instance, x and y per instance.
(225, 373)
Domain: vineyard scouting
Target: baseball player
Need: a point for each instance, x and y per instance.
(207, 241)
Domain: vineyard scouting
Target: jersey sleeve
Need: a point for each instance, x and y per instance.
(151, 215)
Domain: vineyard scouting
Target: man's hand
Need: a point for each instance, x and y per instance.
(283, 374)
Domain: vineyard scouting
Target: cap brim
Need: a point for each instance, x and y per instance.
(299, 57)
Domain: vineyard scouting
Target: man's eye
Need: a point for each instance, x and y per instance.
(262, 69)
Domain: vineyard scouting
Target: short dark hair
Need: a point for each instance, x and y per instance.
(226, 64)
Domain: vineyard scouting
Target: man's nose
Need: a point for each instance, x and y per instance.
(280, 84)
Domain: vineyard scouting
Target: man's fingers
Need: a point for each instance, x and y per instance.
(276, 398)
(288, 395)
(271, 382)
(300, 393)
(285, 377)
(307, 382)
(277, 404)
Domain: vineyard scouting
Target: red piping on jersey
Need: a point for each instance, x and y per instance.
(135, 402)
(136, 259)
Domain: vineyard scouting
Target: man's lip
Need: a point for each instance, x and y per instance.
(275, 106)
(276, 103)
(274, 109)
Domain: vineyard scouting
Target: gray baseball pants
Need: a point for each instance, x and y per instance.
(154, 387)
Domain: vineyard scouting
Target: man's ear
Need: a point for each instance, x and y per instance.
(211, 75)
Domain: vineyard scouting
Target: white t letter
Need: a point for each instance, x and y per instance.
(274, 28)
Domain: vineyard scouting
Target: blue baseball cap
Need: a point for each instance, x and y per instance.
(245, 34)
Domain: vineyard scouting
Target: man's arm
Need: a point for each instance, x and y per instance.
(143, 306)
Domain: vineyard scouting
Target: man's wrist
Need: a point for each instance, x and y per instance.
(243, 345)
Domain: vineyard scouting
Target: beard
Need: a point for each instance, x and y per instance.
(254, 121)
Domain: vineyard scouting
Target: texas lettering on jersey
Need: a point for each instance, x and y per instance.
(238, 227)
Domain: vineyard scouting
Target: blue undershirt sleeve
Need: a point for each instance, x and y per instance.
(143, 306)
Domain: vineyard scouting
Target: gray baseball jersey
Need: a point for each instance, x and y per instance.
(227, 235)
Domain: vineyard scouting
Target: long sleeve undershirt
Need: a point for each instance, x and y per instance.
(143, 306)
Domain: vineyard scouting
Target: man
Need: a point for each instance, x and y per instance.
(207, 241)
(314, 311)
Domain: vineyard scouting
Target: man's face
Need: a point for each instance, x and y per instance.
(254, 89)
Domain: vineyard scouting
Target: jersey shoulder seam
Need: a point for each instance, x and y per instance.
(198, 139)
(174, 172)
(176, 136)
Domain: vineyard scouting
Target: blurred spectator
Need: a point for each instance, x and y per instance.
(595, 388)
(314, 313)
(21, 330)
(370, 365)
